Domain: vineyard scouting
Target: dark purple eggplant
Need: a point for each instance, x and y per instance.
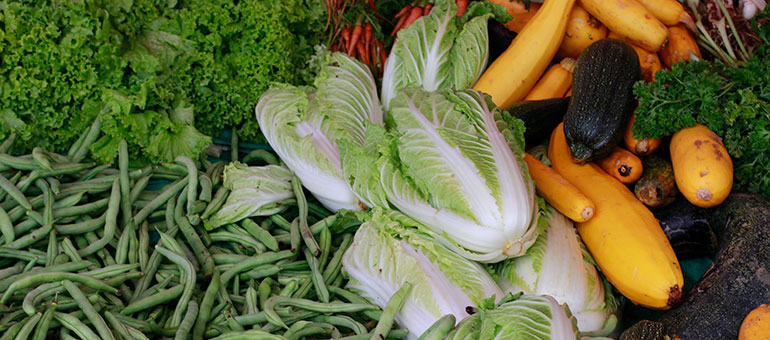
(687, 228)
(500, 37)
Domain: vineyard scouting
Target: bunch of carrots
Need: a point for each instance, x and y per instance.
(359, 42)
(411, 12)
(359, 37)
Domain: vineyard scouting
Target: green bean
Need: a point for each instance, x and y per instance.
(144, 245)
(206, 188)
(45, 322)
(243, 240)
(40, 159)
(28, 180)
(342, 321)
(263, 155)
(87, 187)
(281, 222)
(215, 173)
(14, 180)
(93, 172)
(121, 249)
(14, 193)
(168, 192)
(188, 274)
(316, 277)
(110, 271)
(325, 240)
(81, 227)
(150, 301)
(263, 271)
(268, 257)
(252, 334)
(18, 163)
(206, 303)
(138, 188)
(234, 144)
(234, 325)
(36, 216)
(81, 209)
(153, 262)
(68, 201)
(296, 237)
(6, 227)
(187, 322)
(133, 243)
(228, 258)
(35, 278)
(65, 169)
(31, 264)
(252, 301)
(312, 329)
(260, 234)
(48, 200)
(118, 326)
(192, 175)
(354, 298)
(91, 136)
(10, 317)
(109, 223)
(125, 183)
(8, 143)
(52, 250)
(39, 293)
(31, 238)
(331, 307)
(10, 271)
(28, 327)
(192, 238)
(6, 252)
(393, 307)
(73, 324)
(216, 202)
(332, 270)
(393, 334)
(88, 309)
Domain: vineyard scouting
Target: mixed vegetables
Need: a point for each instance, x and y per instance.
(443, 169)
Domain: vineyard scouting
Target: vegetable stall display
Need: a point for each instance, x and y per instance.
(431, 169)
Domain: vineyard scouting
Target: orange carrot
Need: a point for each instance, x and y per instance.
(367, 36)
(426, 10)
(345, 37)
(413, 16)
(383, 54)
(400, 23)
(362, 53)
(403, 11)
(357, 31)
(462, 4)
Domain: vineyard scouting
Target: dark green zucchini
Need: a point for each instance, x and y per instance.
(688, 229)
(602, 99)
(540, 117)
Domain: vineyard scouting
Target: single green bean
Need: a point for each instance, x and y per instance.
(118, 326)
(45, 323)
(168, 192)
(40, 158)
(296, 237)
(234, 325)
(8, 143)
(144, 245)
(110, 271)
(263, 271)
(133, 243)
(91, 136)
(109, 223)
(219, 199)
(152, 263)
(342, 321)
(14, 193)
(54, 184)
(94, 171)
(264, 258)
(281, 222)
(193, 240)
(88, 309)
(65, 169)
(354, 298)
(161, 297)
(313, 329)
(121, 249)
(245, 241)
(263, 155)
(234, 144)
(393, 334)
(81, 209)
(192, 185)
(138, 188)
(187, 322)
(207, 302)
(125, 183)
(331, 307)
(206, 188)
(52, 250)
(325, 240)
(14, 179)
(10, 271)
(332, 270)
(73, 324)
(260, 234)
(252, 334)
(28, 327)
(6, 227)
(41, 277)
(188, 275)
(31, 238)
(252, 301)
(216, 173)
(393, 307)
(316, 277)
(18, 163)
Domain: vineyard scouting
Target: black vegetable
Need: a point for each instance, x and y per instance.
(500, 37)
(540, 117)
(602, 98)
(688, 229)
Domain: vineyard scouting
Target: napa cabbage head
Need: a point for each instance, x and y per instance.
(558, 265)
(518, 317)
(441, 50)
(305, 124)
(254, 191)
(387, 252)
(446, 163)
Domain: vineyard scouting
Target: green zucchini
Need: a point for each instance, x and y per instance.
(602, 99)
(540, 117)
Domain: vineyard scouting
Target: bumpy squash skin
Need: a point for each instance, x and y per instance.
(602, 99)
(623, 236)
(582, 30)
(702, 167)
(631, 20)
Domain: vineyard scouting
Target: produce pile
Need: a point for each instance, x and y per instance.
(443, 169)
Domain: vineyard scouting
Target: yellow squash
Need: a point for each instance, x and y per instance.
(623, 165)
(513, 73)
(519, 12)
(582, 30)
(555, 82)
(631, 20)
(648, 61)
(756, 325)
(641, 147)
(702, 168)
(669, 12)
(558, 192)
(623, 236)
(681, 46)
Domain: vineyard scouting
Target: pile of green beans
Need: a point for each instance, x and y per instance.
(90, 251)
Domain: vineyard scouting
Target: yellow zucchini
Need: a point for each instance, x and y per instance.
(681, 46)
(513, 73)
(631, 20)
(559, 192)
(622, 164)
(582, 30)
(669, 12)
(702, 168)
(641, 147)
(624, 237)
(555, 82)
